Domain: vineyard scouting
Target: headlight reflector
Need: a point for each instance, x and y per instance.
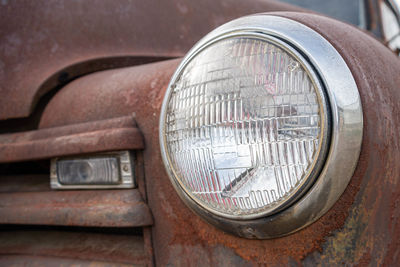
(245, 128)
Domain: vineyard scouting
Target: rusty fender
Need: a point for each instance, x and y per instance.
(362, 227)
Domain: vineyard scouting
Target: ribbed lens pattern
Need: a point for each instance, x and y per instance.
(242, 126)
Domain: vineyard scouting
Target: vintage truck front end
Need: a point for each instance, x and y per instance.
(103, 121)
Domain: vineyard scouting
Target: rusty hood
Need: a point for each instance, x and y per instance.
(45, 44)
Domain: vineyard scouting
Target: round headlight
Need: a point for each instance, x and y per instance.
(246, 124)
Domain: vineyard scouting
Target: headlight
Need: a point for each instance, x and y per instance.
(249, 118)
(246, 126)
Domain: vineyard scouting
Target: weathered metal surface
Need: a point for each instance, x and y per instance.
(79, 246)
(141, 182)
(24, 183)
(46, 43)
(113, 93)
(370, 232)
(148, 245)
(363, 226)
(40, 261)
(101, 208)
(98, 136)
(91, 126)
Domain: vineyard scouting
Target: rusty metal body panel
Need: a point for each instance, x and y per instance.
(24, 183)
(40, 261)
(97, 136)
(362, 227)
(101, 208)
(57, 45)
(113, 248)
(47, 43)
(370, 232)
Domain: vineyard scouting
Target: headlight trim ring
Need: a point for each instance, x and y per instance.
(346, 125)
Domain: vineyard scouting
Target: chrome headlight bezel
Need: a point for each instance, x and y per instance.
(343, 140)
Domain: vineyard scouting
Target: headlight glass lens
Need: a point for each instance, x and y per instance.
(244, 126)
